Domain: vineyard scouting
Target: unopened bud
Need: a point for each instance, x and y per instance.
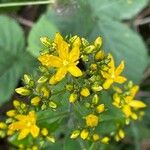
(100, 55)
(98, 42)
(95, 99)
(89, 49)
(100, 108)
(42, 79)
(73, 97)
(75, 134)
(85, 92)
(23, 91)
(52, 105)
(46, 41)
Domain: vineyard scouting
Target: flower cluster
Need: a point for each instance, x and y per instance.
(78, 82)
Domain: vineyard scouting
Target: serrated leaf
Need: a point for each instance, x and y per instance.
(124, 44)
(43, 27)
(118, 9)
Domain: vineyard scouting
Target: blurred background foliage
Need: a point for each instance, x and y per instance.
(123, 24)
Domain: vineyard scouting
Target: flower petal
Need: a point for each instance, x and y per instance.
(61, 46)
(17, 125)
(77, 42)
(50, 60)
(105, 74)
(23, 133)
(60, 74)
(127, 110)
(107, 83)
(74, 54)
(120, 79)
(137, 104)
(75, 71)
(119, 68)
(111, 63)
(34, 131)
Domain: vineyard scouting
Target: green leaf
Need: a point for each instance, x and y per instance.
(71, 144)
(14, 61)
(118, 9)
(43, 27)
(125, 44)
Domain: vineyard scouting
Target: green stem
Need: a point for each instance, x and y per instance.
(92, 147)
(13, 4)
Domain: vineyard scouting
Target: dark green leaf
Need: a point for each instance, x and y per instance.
(118, 9)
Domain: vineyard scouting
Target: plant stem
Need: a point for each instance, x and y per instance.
(13, 4)
(92, 147)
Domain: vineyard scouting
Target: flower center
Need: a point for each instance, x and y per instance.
(65, 62)
(29, 123)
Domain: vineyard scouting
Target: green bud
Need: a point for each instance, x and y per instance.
(89, 49)
(69, 87)
(52, 104)
(98, 42)
(85, 58)
(87, 105)
(42, 79)
(23, 91)
(46, 41)
(43, 107)
(95, 99)
(72, 39)
(84, 42)
(26, 79)
(96, 88)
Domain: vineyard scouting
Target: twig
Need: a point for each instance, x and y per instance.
(142, 21)
(13, 4)
(25, 22)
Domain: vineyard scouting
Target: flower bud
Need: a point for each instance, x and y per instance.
(3, 125)
(44, 132)
(89, 49)
(35, 101)
(98, 42)
(45, 92)
(105, 140)
(85, 92)
(23, 91)
(97, 88)
(27, 79)
(51, 139)
(85, 58)
(16, 103)
(96, 137)
(84, 42)
(95, 99)
(100, 108)
(91, 120)
(100, 55)
(11, 113)
(73, 97)
(52, 105)
(42, 79)
(69, 87)
(84, 134)
(46, 41)
(75, 134)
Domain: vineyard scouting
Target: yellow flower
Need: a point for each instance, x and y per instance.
(128, 104)
(26, 124)
(113, 74)
(91, 120)
(66, 61)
